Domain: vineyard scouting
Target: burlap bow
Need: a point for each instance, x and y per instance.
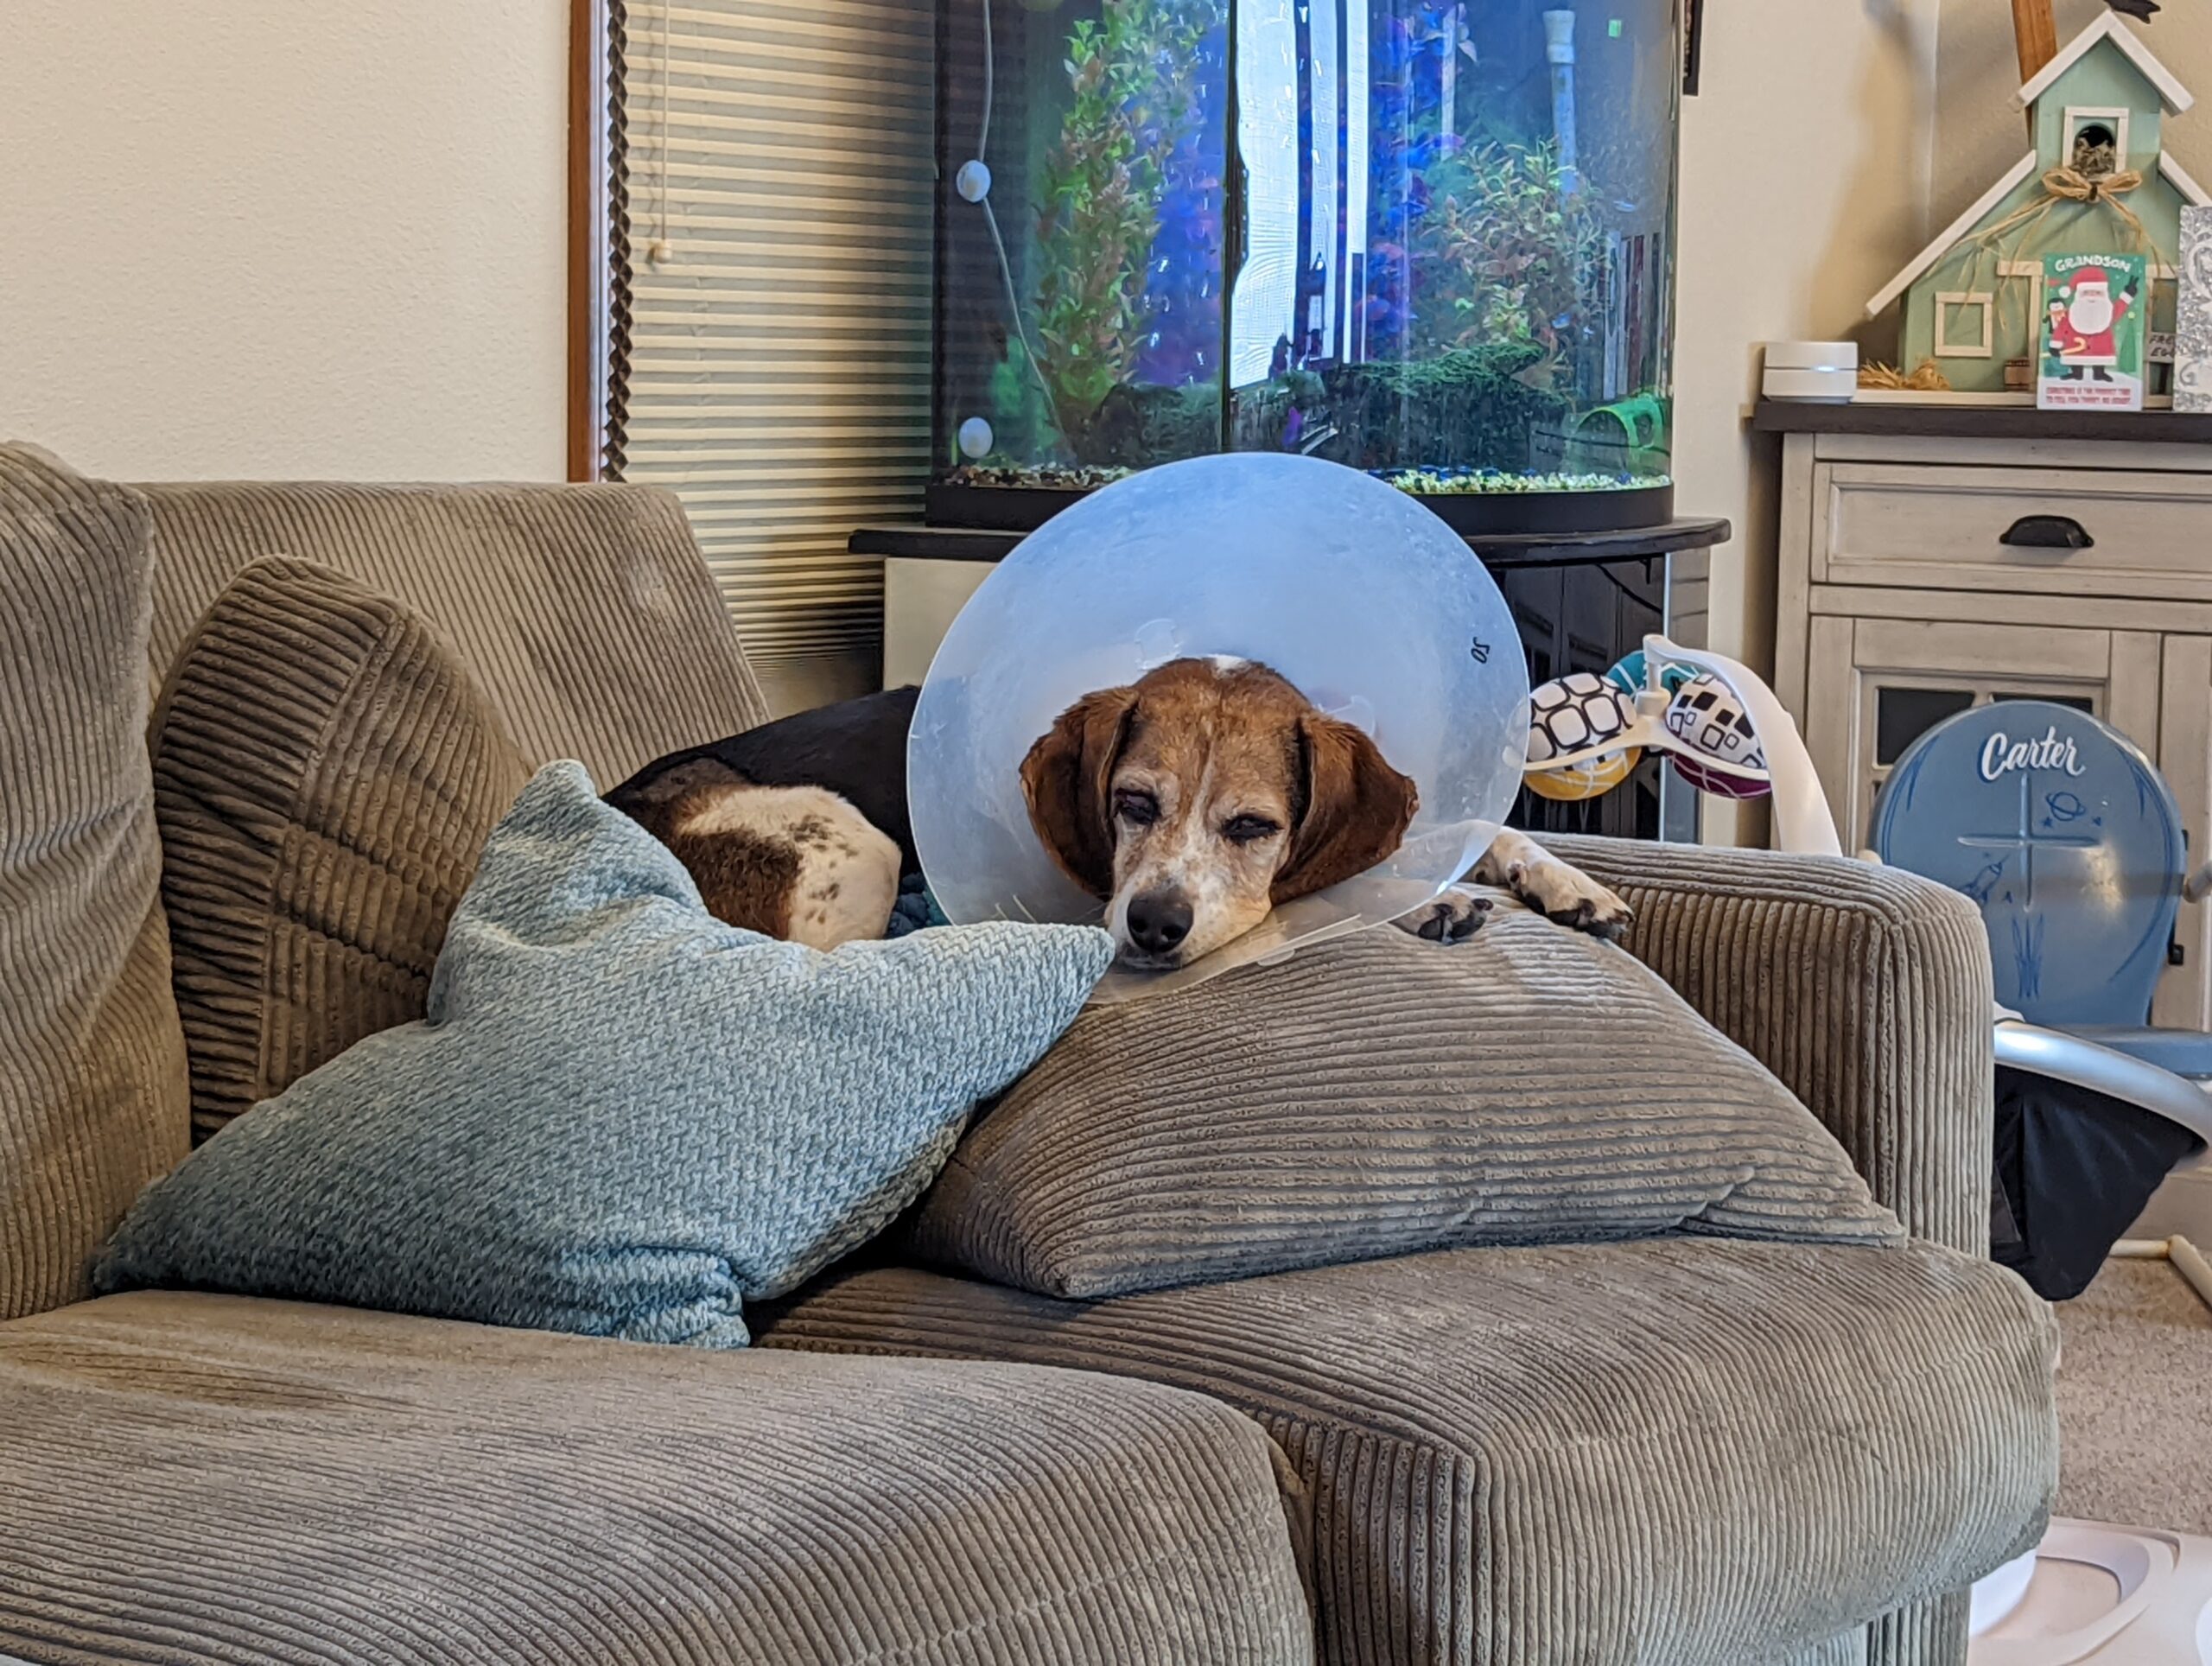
(2060, 186)
(2069, 185)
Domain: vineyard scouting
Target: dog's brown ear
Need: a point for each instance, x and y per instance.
(1067, 779)
(1355, 810)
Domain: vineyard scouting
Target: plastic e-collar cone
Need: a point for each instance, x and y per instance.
(1376, 610)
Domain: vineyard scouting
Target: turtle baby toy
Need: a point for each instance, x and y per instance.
(1587, 733)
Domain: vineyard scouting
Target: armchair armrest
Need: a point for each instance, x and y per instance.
(1866, 989)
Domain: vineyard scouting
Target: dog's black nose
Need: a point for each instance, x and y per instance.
(1159, 920)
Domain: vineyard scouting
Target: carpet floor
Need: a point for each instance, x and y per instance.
(2135, 1401)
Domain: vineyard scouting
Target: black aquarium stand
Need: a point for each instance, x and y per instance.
(1476, 516)
(1497, 551)
(1582, 602)
(1588, 616)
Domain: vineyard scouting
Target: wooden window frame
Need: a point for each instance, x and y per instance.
(2080, 116)
(588, 161)
(1946, 299)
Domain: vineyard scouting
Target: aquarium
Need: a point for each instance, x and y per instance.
(1433, 241)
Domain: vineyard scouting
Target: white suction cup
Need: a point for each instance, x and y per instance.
(973, 181)
(1366, 601)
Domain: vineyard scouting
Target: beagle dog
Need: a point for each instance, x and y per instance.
(1193, 802)
(1198, 799)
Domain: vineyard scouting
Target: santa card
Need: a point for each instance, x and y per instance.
(2094, 308)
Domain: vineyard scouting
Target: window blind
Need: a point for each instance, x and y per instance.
(771, 188)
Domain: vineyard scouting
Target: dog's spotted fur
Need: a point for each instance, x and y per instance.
(1211, 786)
(797, 862)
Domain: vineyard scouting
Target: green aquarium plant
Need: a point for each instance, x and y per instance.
(1514, 244)
(1133, 103)
(1021, 420)
(1472, 408)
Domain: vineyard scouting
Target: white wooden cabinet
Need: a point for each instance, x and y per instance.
(1921, 573)
(921, 598)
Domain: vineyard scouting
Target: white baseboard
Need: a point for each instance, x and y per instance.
(2182, 1205)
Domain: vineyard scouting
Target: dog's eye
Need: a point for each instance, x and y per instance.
(1248, 830)
(1138, 809)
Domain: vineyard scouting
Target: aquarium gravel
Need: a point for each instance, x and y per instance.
(1420, 482)
(1042, 477)
(1464, 482)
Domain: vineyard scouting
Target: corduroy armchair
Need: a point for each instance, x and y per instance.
(1681, 1452)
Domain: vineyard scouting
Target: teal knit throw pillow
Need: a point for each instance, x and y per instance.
(620, 1117)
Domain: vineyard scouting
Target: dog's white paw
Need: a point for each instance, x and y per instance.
(1452, 918)
(1567, 896)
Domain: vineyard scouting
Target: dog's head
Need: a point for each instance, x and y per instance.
(1200, 796)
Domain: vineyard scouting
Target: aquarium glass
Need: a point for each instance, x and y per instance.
(1433, 240)
(1080, 319)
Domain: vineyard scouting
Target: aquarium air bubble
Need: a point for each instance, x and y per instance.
(973, 181)
(976, 438)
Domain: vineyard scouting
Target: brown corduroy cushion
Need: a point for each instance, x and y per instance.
(1678, 1452)
(1378, 1096)
(203, 1480)
(325, 771)
(91, 1060)
(585, 611)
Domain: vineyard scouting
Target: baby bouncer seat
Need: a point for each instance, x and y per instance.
(2069, 842)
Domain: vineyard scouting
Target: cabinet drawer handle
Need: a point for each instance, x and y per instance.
(2048, 532)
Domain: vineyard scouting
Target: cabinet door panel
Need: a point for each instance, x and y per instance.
(1830, 719)
(1948, 646)
(1877, 683)
(2136, 687)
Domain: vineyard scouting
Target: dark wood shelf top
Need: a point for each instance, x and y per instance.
(1982, 423)
(1497, 551)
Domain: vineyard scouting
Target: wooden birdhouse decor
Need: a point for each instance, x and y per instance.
(2097, 181)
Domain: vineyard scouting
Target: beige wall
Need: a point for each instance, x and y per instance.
(1805, 185)
(1979, 131)
(271, 238)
